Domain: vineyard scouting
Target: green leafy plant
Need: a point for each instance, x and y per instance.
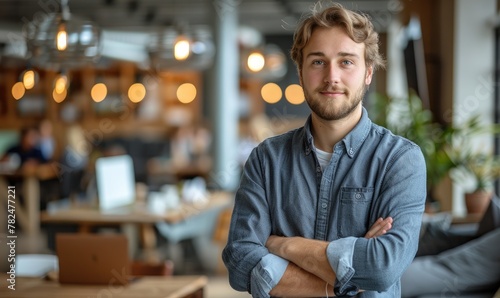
(483, 167)
(415, 123)
(445, 147)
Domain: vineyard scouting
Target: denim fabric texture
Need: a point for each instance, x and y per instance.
(283, 191)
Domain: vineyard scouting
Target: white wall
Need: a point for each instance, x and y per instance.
(473, 72)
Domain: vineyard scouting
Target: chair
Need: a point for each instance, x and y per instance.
(198, 228)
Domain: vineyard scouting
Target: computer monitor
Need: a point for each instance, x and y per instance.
(115, 181)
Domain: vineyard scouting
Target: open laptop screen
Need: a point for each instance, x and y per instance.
(115, 181)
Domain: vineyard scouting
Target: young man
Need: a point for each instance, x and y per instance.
(314, 210)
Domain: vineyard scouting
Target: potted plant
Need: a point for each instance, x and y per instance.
(445, 147)
(415, 123)
(482, 169)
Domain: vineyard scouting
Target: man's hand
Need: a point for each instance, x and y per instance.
(309, 261)
(379, 228)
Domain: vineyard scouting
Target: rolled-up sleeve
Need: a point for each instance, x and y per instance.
(340, 255)
(250, 228)
(266, 275)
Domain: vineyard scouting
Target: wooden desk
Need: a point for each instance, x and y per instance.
(137, 215)
(147, 287)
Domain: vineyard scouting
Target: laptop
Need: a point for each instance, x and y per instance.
(115, 182)
(93, 259)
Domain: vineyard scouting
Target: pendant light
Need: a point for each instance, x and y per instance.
(63, 40)
(182, 48)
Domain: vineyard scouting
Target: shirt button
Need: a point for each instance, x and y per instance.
(351, 152)
(318, 169)
(358, 196)
(324, 205)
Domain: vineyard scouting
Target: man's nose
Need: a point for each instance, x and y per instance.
(332, 75)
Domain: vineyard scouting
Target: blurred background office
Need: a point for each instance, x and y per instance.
(188, 88)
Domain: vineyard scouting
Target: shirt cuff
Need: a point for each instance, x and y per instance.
(266, 275)
(340, 253)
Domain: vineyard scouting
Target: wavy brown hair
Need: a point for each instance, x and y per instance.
(357, 26)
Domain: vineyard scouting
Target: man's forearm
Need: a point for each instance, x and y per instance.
(308, 254)
(297, 282)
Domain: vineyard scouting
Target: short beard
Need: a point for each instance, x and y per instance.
(329, 114)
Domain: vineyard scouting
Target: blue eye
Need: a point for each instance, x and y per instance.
(347, 62)
(318, 62)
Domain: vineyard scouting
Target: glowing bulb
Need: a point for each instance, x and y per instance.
(255, 62)
(271, 93)
(18, 90)
(62, 38)
(99, 92)
(61, 84)
(59, 97)
(29, 79)
(136, 92)
(181, 48)
(186, 93)
(294, 94)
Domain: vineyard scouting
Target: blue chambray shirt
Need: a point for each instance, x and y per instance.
(372, 173)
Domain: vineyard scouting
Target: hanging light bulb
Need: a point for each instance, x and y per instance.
(99, 92)
(63, 40)
(256, 61)
(62, 37)
(267, 63)
(29, 79)
(18, 90)
(186, 93)
(294, 94)
(136, 92)
(61, 83)
(194, 45)
(271, 93)
(182, 48)
(59, 97)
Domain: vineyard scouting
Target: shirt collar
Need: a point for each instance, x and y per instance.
(352, 141)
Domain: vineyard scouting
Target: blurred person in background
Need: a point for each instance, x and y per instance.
(74, 161)
(26, 154)
(46, 141)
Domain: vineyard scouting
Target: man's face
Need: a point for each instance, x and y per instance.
(334, 75)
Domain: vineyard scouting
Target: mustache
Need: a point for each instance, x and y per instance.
(332, 88)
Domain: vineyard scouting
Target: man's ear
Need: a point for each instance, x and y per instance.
(369, 75)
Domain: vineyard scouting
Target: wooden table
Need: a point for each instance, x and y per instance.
(28, 213)
(139, 213)
(136, 215)
(146, 287)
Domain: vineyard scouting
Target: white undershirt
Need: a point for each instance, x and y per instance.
(323, 158)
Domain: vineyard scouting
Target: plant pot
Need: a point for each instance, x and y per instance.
(477, 202)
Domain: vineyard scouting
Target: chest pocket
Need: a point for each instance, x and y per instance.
(354, 211)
